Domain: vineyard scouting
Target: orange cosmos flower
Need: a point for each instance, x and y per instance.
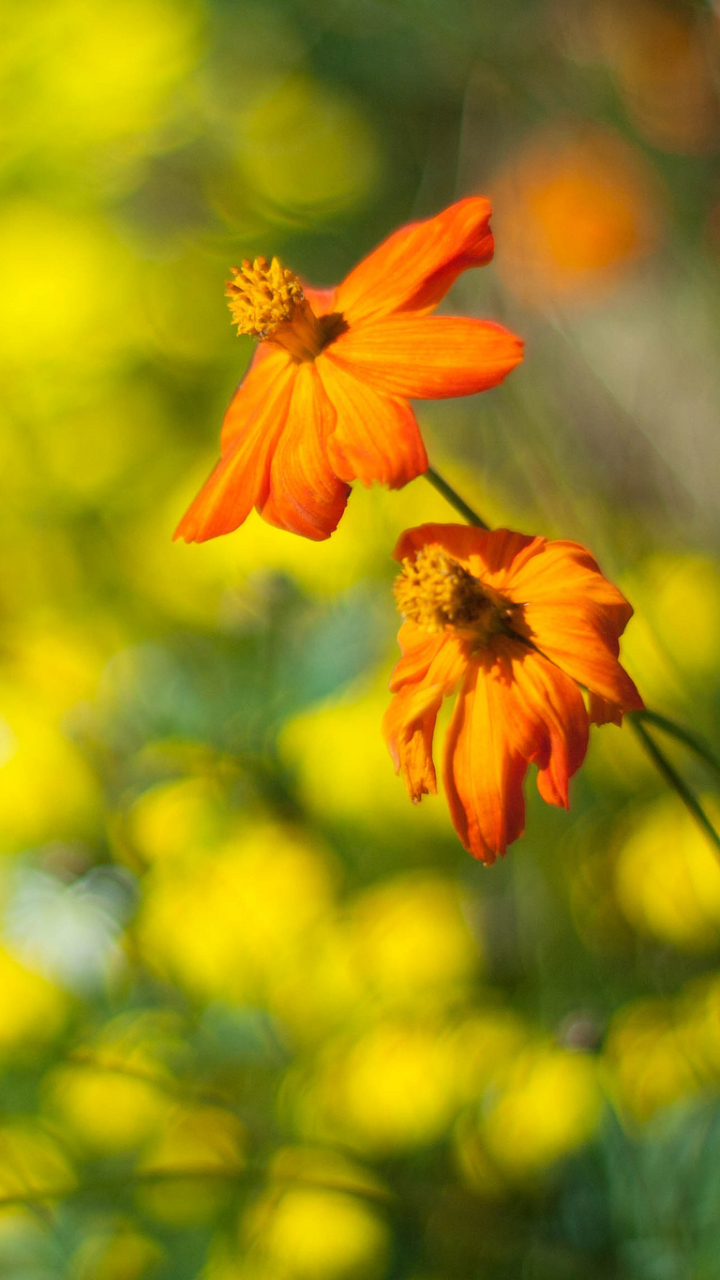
(325, 399)
(519, 624)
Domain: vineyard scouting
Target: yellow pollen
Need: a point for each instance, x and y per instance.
(437, 592)
(263, 296)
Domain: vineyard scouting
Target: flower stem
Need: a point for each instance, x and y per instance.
(663, 765)
(454, 499)
(682, 734)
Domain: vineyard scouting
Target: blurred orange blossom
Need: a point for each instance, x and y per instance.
(325, 399)
(519, 624)
(575, 211)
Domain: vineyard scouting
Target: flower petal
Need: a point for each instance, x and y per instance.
(413, 269)
(426, 673)
(241, 478)
(305, 495)
(268, 364)
(428, 357)
(550, 724)
(582, 641)
(376, 437)
(483, 772)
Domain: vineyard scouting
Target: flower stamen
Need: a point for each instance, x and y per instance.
(267, 301)
(262, 295)
(438, 593)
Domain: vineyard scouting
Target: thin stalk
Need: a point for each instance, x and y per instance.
(683, 735)
(454, 499)
(672, 777)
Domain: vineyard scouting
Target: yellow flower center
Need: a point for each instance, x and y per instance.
(267, 301)
(437, 593)
(262, 296)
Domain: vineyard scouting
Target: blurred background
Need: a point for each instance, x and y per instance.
(261, 1019)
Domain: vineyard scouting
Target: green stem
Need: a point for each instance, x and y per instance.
(671, 776)
(454, 499)
(683, 735)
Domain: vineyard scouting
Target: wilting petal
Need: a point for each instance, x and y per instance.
(242, 477)
(305, 495)
(600, 711)
(376, 436)
(428, 357)
(413, 269)
(426, 673)
(267, 365)
(483, 772)
(580, 638)
(549, 724)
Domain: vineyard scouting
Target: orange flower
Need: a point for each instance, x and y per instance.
(325, 400)
(519, 624)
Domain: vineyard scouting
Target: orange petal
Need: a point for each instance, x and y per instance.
(483, 774)
(241, 478)
(322, 301)
(601, 711)
(428, 357)
(549, 725)
(414, 268)
(376, 437)
(267, 365)
(550, 572)
(408, 727)
(582, 640)
(305, 495)
(426, 673)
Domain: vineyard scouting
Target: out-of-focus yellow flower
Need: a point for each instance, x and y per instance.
(32, 1164)
(312, 1233)
(225, 924)
(179, 822)
(668, 878)
(208, 1144)
(124, 1253)
(484, 1047)
(572, 214)
(648, 1060)
(676, 641)
(80, 310)
(119, 1090)
(107, 1110)
(411, 940)
(306, 149)
(663, 58)
(393, 1090)
(120, 63)
(317, 1222)
(548, 1105)
(46, 789)
(342, 762)
(32, 1009)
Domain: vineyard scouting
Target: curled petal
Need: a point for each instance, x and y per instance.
(515, 708)
(376, 437)
(550, 713)
(413, 269)
(305, 496)
(428, 671)
(408, 727)
(428, 357)
(483, 771)
(241, 479)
